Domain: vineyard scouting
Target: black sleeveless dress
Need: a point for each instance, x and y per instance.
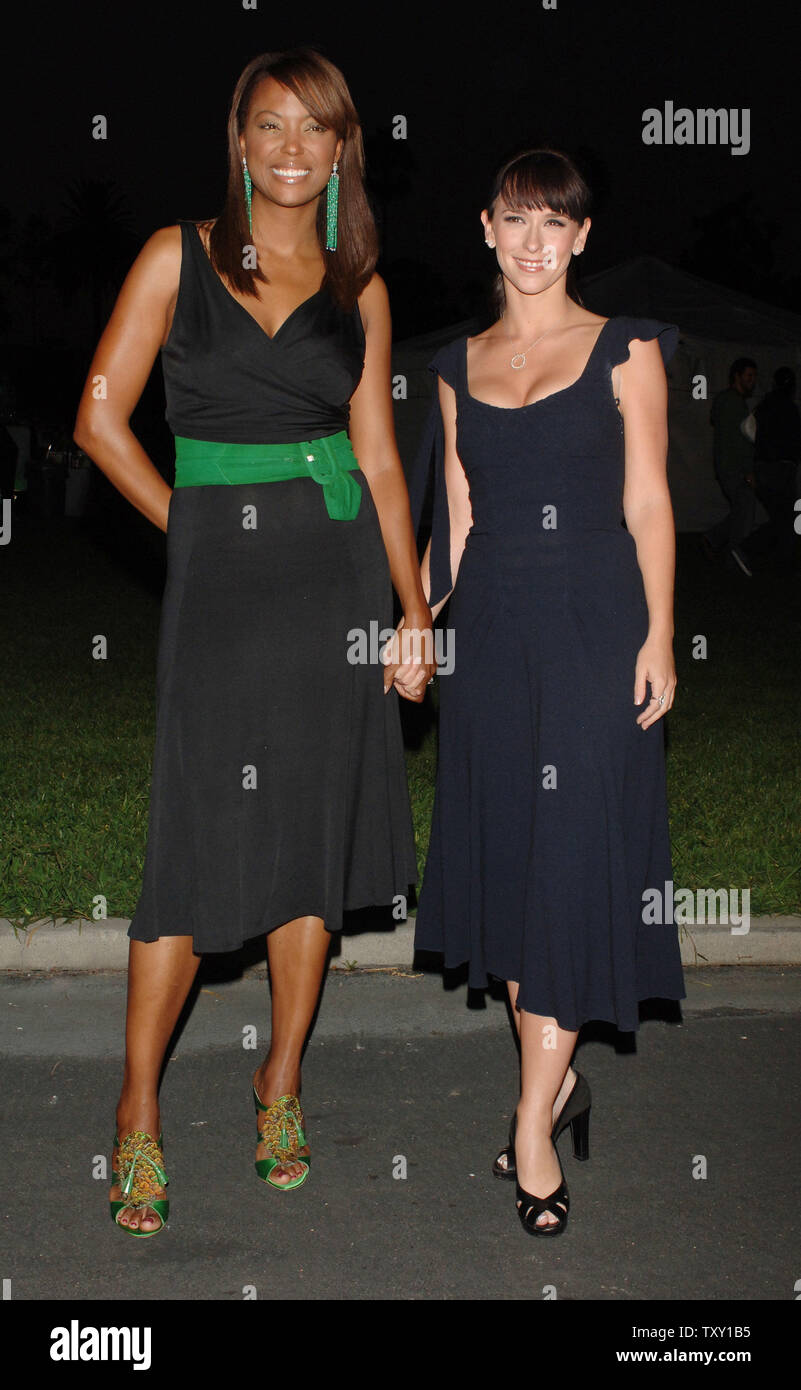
(253, 670)
(550, 816)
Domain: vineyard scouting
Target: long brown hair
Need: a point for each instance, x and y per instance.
(323, 90)
(540, 179)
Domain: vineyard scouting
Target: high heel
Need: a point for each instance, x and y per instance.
(529, 1207)
(281, 1130)
(580, 1133)
(141, 1173)
(575, 1112)
(507, 1169)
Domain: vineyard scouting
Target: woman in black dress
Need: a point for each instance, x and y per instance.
(550, 817)
(279, 794)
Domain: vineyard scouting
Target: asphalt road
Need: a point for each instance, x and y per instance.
(401, 1068)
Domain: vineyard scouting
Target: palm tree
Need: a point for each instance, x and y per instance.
(94, 245)
(30, 263)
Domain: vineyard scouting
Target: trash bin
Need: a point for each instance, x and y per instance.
(78, 484)
(47, 485)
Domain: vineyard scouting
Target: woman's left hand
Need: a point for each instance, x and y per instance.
(655, 667)
(409, 656)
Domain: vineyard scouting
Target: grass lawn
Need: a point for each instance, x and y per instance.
(77, 734)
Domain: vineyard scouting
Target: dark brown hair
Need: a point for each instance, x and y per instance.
(323, 90)
(540, 179)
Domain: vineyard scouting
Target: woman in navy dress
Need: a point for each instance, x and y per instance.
(279, 794)
(549, 430)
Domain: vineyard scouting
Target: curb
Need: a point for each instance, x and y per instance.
(82, 945)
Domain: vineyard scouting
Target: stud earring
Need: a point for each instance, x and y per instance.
(331, 207)
(248, 193)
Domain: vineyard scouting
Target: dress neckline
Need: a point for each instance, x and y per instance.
(542, 399)
(270, 338)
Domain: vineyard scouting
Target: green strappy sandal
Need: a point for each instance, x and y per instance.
(281, 1129)
(141, 1173)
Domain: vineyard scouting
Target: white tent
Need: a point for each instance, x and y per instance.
(717, 325)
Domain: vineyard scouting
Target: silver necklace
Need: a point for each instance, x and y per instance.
(519, 359)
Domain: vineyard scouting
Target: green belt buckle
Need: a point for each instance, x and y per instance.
(318, 473)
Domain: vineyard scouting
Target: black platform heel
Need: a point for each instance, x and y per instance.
(575, 1112)
(529, 1207)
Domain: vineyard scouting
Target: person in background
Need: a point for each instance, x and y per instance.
(8, 462)
(734, 466)
(777, 452)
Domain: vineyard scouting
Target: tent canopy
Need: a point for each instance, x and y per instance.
(651, 288)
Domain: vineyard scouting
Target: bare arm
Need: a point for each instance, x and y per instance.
(372, 433)
(138, 326)
(649, 518)
(460, 512)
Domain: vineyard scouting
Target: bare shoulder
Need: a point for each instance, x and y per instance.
(588, 325)
(375, 290)
(172, 235)
(374, 302)
(487, 334)
(164, 244)
(160, 258)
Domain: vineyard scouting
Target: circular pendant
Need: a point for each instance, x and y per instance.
(518, 361)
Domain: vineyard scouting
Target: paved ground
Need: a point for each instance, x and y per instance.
(399, 1066)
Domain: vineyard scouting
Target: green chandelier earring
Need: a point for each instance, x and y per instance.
(248, 193)
(332, 203)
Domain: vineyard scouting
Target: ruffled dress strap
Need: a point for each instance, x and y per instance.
(624, 329)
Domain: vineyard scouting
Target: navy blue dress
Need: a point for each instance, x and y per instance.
(550, 814)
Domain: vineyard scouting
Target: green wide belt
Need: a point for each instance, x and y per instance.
(329, 461)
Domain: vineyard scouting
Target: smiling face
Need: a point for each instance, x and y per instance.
(289, 152)
(534, 246)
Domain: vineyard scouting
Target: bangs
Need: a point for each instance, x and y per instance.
(542, 179)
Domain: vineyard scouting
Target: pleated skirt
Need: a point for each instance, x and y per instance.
(278, 783)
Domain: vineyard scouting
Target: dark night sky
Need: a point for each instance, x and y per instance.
(473, 85)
